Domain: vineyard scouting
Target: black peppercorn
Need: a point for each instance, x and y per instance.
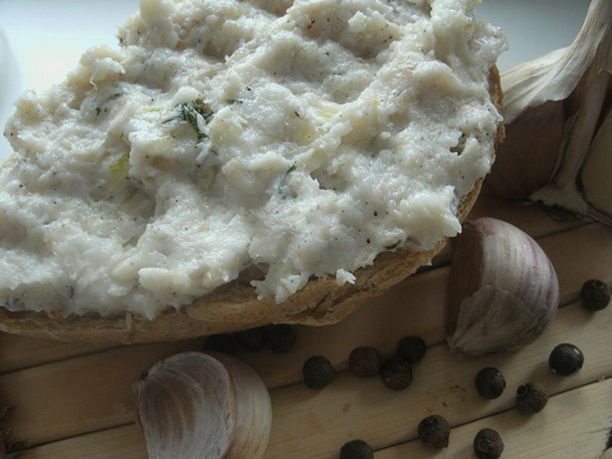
(530, 398)
(253, 339)
(396, 373)
(488, 444)
(566, 359)
(280, 338)
(595, 295)
(221, 343)
(411, 348)
(318, 372)
(434, 431)
(356, 449)
(490, 382)
(365, 361)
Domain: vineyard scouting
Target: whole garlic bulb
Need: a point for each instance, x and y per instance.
(194, 405)
(558, 119)
(502, 290)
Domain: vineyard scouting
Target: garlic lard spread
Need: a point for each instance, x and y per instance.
(301, 137)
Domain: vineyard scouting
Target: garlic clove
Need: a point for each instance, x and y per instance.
(502, 290)
(555, 108)
(194, 405)
(596, 170)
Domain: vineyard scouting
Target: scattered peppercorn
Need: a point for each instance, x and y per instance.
(221, 343)
(253, 339)
(365, 361)
(280, 338)
(396, 373)
(411, 348)
(595, 295)
(530, 398)
(490, 382)
(566, 359)
(318, 372)
(488, 444)
(356, 449)
(434, 431)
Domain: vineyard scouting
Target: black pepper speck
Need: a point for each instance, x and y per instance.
(396, 373)
(490, 382)
(566, 359)
(253, 339)
(595, 295)
(434, 431)
(365, 361)
(221, 343)
(488, 444)
(318, 372)
(356, 449)
(412, 348)
(280, 338)
(531, 398)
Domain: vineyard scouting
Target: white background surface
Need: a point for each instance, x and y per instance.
(41, 40)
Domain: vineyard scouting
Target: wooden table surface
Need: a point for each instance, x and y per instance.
(75, 401)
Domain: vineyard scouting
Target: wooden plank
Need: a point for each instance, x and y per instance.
(414, 307)
(21, 352)
(76, 395)
(311, 423)
(125, 442)
(18, 352)
(574, 424)
(356, 408)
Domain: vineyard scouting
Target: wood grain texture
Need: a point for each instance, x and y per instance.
(125, 442)
(314, 424)
(443, 384)
(86, 391)
(574, 424)
(93, 392)
(78, 395)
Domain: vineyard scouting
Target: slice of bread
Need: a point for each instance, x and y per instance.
(235, 304)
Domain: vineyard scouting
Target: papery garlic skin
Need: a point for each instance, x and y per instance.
(194, 405)
(503, 289)
(557, 110)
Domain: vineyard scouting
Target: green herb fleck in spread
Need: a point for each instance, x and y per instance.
(189, 112)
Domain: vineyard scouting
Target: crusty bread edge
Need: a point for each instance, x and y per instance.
(235, 306)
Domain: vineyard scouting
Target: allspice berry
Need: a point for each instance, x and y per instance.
(253, 339)
(488, 444)
(221, 343)
(595, 295)
(280, 338)
(356, 449)
(318, 372)
(531, 398)
(490, 382)
(566, 359)
(434, 431)
(365, 361)
(412, 348)
(396, 373)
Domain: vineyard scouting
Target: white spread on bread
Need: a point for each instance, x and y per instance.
(304, 138)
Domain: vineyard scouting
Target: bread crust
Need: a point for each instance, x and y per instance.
(234, 306)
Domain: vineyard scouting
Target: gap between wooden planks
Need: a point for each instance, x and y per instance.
(93, 392)
(428, 311)
(574, 424)
(309, 424)
(19, 352)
